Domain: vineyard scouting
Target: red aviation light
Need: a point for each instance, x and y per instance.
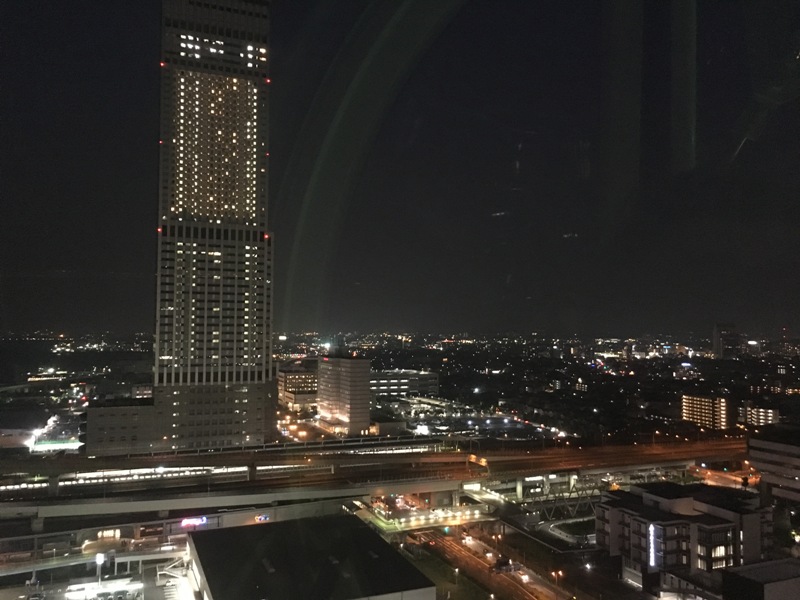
(266, 236)
(163, 64)
(267, 80)
(158, 230)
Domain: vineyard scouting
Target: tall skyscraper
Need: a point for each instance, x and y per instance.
(213, 376)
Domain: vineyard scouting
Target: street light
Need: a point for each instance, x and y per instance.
(99, 559)
(557, 574)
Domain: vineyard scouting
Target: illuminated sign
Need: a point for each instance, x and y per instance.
(652, 535)
(262, 518)
(194, 522)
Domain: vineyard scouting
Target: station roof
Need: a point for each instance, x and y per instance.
(334, 557)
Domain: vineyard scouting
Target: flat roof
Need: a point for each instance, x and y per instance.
(635, 504)
(668, 489)
(780, 434)
(333, 557)
(731, 499)
(771, 571)
(632, 502)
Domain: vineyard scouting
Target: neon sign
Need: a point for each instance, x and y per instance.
(262, 518)
(652, 539)
(194, 522)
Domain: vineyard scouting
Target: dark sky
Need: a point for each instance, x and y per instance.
(479, 205)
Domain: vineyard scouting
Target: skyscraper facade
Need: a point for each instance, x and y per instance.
(213, 377)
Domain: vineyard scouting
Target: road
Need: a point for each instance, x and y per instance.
(471, 559)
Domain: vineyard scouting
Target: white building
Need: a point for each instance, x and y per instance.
(694, 529)
(343, 394)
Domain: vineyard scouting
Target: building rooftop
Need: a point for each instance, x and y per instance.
(781, 434)
(300, 365)
(336, 558)
(667, 489)
(634, 502)
(730, 499)
(771, 571)
(620, 499)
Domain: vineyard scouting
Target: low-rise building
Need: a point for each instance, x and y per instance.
(297, 384)
(775, 452)
(772, 580)
(118, 427)
(691, 530)
(404, 382)
(322, 558)
(758, 414)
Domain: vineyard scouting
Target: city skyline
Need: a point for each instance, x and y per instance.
(240, 179)
(433, 234)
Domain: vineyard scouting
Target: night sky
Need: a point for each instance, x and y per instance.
(479, 204)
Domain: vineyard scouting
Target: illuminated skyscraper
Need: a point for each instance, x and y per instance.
(213, 376)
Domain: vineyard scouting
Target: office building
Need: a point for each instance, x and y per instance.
(775, 452)
(689, 532)
(343, 394)
(706, 411)
(213, 381)
(404, 382)
(297, 384)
